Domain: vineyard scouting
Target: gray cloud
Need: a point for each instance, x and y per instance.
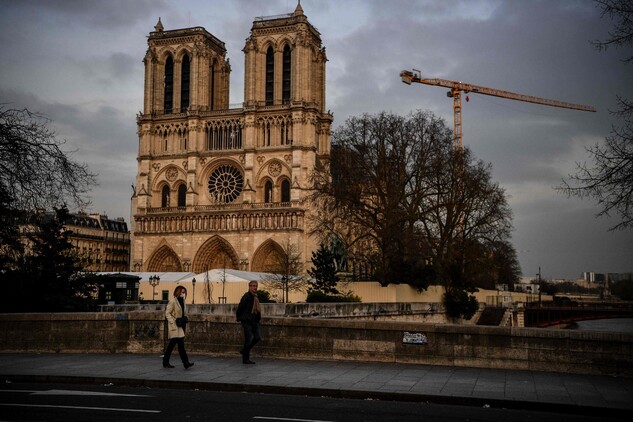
(110, 14)
(80, 63)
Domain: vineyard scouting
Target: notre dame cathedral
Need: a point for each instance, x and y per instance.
(221, 186)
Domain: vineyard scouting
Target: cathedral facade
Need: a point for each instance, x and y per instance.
(221, 186)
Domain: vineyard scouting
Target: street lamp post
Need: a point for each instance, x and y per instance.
(539, 286)
(154, 281)
(193, 283)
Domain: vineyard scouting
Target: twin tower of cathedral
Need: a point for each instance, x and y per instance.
(221, 186)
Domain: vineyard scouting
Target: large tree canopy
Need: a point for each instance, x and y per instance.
(404, 201)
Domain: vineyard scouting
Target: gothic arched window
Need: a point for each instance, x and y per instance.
(285, 191)
(268, 192)
(267, 140)
(168, 103)
(182, 195)
(286, 133)
(286, 76)
(184, 84)
(270, 76)
(165, 197)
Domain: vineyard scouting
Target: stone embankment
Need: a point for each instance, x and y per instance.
(301, 334)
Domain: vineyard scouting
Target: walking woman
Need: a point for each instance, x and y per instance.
(249, 314)
(176, 323)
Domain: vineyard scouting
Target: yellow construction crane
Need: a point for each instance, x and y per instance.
(456, 89)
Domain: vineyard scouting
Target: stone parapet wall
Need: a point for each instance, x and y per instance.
(415, 311)
(584, 352)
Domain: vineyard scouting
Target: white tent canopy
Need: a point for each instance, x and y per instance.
(228, 275)
(217, 275)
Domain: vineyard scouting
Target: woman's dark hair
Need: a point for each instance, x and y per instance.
(179, 290)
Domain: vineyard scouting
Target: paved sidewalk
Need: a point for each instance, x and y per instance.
(566, 393)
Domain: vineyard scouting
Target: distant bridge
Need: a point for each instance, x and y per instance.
(548, 314)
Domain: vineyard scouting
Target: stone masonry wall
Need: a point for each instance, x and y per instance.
(327, 339)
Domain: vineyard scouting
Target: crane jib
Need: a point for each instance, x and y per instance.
(456, 88)
(468, 88)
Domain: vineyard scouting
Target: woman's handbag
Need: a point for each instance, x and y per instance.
(181, 322)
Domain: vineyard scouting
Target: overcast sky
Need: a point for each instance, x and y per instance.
(80, 63)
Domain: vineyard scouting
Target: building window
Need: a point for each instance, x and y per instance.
(268, 192)
(267, 141)
(168, 104)
(184, 84)
(226, 184)
(165, 197)
(270, 76)
(182, 195)
(227, 136)
(286, 134)
(285, 191)
(286, 76)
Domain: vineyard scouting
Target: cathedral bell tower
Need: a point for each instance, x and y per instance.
(224, 186)
(185, 69)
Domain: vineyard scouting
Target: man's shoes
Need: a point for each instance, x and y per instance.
(248, 362)
(188, 365)
(166, 365)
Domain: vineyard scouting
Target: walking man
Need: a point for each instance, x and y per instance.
(249, 314)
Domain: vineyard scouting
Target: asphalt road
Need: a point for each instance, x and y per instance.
(108, 403)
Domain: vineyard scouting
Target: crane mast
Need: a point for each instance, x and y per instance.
(456, 89)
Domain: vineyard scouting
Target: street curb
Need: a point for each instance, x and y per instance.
(571, 409)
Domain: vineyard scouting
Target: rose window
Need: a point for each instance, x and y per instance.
(226, 183)
(274, 169)
(172, 174)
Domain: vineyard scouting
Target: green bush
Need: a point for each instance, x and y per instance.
(264, 296)
(459, 304)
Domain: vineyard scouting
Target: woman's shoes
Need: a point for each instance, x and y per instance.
(188, 365)
(248, 362)
(166, 365)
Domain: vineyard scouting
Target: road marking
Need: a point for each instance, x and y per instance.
(18, 391)
(82, 393)
(71, 393)
(288, 419)
(112, 409)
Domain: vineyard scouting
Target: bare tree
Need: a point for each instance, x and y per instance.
(36, 171)
(465, 216)
(608, 179)
(622, 33)
(373, 188)
(287, 271)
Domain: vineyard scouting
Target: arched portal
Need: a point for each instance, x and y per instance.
(267, 257)
(216, 252)
(164, 259)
